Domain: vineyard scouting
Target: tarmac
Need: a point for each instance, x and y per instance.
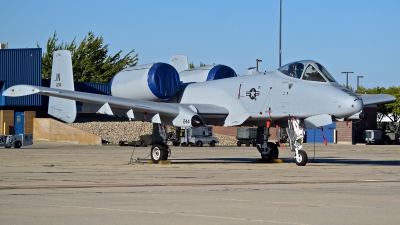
(61, 183)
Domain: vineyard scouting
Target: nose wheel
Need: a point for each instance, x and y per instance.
(301, 158)
(296, 133)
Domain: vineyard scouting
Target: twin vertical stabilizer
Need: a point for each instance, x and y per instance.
(62, 78)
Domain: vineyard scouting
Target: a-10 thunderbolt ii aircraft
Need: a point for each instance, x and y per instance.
(301, 92)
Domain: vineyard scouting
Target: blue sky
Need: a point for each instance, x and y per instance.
(362, 36)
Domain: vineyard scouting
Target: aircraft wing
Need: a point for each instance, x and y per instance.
(182, 115)
(377, 99)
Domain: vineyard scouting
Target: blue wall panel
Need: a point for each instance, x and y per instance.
(20, 66)
(316, 134)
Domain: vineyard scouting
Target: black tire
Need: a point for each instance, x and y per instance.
(248, 144)
(303, 158)
(158, 153)
(183, 144)
(17, 144)
(121, 143)
(199, 144)
(212, 144)
(274, 152)
(239, 143)
(254, 144)
(176, 143)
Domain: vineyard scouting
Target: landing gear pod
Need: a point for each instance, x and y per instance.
(150, 82)
(207, 73)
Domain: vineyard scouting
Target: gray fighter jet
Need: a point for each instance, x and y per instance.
(298, 95)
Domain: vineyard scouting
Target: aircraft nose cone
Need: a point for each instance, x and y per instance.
(349, 106)
(358, 104)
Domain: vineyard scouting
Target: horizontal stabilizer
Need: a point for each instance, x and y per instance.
(20, 90)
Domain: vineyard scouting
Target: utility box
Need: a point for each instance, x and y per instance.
(372, 136)
(247, 136)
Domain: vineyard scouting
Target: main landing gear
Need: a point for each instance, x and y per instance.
(159, 151)
(268, 150)
(295, 133)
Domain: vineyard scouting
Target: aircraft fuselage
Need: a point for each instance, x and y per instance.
(273, 96)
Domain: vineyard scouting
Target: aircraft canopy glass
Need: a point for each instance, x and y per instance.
(307, 70)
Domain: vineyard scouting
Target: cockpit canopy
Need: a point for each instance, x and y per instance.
(307, 70)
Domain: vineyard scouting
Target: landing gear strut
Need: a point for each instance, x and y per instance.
(296, 133)
(268, 150)
(160, 150)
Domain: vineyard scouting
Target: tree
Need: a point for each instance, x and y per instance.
(385, 109)
(192, 66)
(90, 60)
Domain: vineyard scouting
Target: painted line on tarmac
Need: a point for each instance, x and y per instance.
(108, 185)
(153, 212)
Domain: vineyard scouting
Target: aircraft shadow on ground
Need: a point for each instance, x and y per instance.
(356, 161)
(289, 160)
(213, 160)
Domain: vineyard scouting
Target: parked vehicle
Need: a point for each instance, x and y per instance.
(195, 136)
(390, 132)
(143, 141)
(16, 140)
(247, 136)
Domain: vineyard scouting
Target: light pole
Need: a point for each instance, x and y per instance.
(280, 34)
(358, 82)
(257, 61)
(347, 78)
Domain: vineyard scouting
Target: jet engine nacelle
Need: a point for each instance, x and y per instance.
(150, 82)
(187, 117)
(206, 73)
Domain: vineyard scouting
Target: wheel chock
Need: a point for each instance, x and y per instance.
(167, 162)
(270, 161)
(277, 161)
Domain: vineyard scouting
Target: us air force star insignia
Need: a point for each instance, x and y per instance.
(253, 93)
